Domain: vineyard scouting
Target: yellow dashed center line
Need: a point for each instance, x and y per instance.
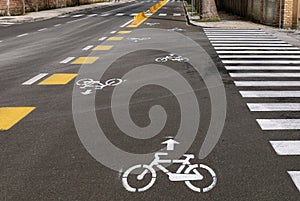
(124, 32)
(103, 47)
(115, 38)
(85, 60)
(58, 79)
(9, 116)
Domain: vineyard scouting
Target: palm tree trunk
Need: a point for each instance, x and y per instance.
(209, 10)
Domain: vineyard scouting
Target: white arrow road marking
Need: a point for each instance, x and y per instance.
(35, 79)
(170, 144)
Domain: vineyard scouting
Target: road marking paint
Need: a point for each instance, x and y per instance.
(124, 32)
(9, 116)
(113, 32)
(251, 45)
(148, 14)
(270, 94)
(256, 48)
(271, 107)
(124, 25)
(249, 41)
(120, 14)
(67, 60)
(102, 38)
(105, 14)
(58, 79)
(262, 67)
(57, 25)
(244, 39)
(264, 74)
(267, 83)
(85, 60)
(236, 33)
(238, 37)
(115, 38)
(92, 15)
(259, 56)
(176, 14)
(103, 47)
(261, 62)
(42, 29)
(88, 47)
(1, 41)
(133, 14)
(162, 14)
(295, 175)
(259, 52)
(76, 16)
(21, 35)
(289, 147)
(35, 79)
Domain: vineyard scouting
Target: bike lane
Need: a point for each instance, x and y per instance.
(122, 127)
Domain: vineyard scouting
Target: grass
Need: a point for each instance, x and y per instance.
(208, 20)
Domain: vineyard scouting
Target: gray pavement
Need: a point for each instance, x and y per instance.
(102, 101)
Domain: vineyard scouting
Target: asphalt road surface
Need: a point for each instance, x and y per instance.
(86, 103)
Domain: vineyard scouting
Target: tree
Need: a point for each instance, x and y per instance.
(209, 10)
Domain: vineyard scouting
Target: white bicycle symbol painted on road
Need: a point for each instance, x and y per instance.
(172, 57)
(87, 83)
(186, 172)
(138, 39)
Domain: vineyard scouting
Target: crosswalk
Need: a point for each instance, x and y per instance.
(266, 72)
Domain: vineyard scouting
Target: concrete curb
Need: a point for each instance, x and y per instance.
(289, 36)
(48, 14)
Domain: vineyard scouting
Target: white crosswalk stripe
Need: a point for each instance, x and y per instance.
(271, 64)
(162, 14)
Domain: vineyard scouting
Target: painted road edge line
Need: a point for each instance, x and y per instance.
(35, 79)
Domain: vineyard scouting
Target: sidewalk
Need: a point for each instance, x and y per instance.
(47, 14)
(232, 21)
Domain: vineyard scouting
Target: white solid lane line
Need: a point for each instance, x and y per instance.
(295, 175)
(262, 67)
(35, 79)
(268, 107)
(267, 83)
(67, 60)
(21, 35)
(88, 47)
(288, 147)
(270, 94)
(102, 38)
(261, 62)
(264, 74)
(124, 25)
